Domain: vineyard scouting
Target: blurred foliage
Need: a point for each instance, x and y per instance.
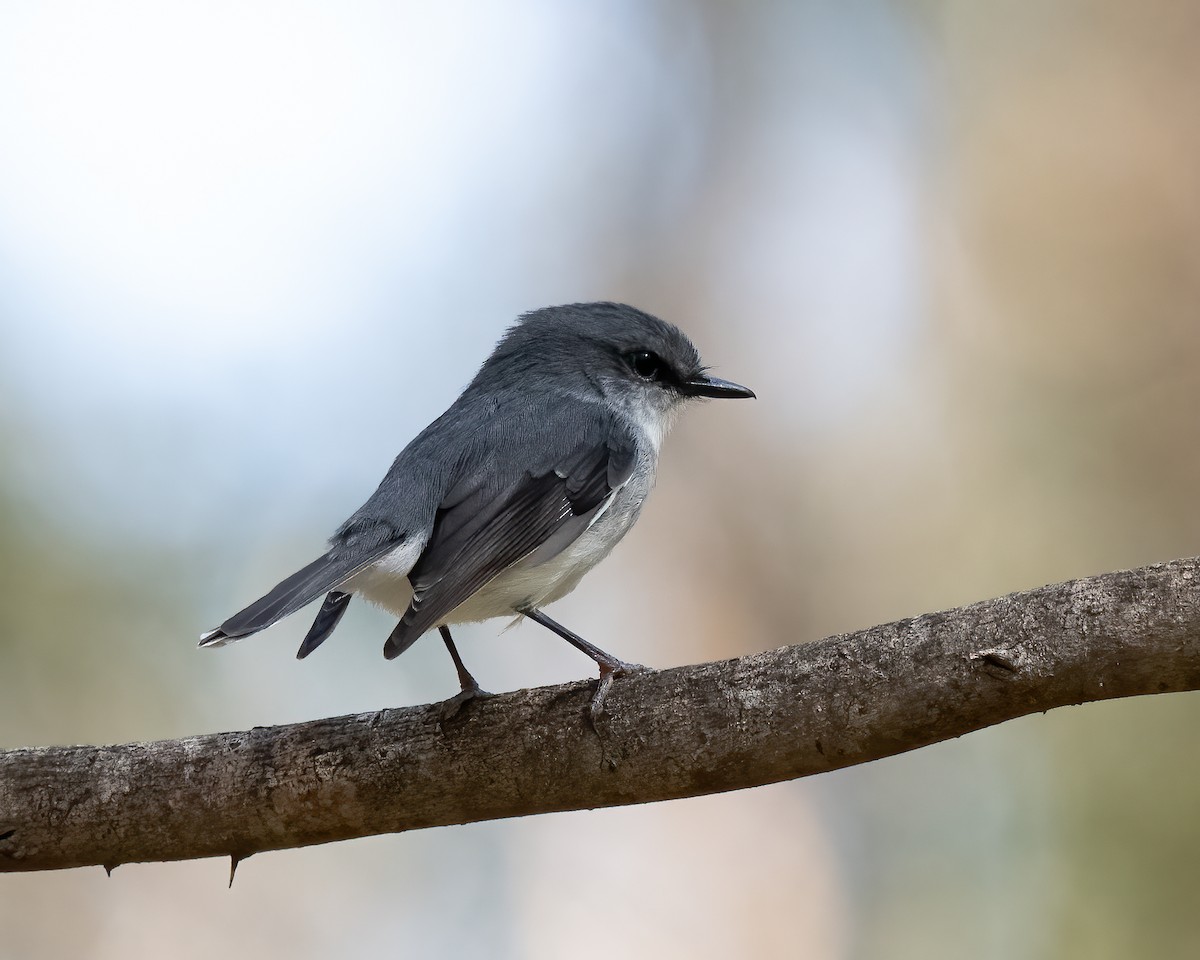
(81, 631)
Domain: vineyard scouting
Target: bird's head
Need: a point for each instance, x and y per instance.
(644, 366)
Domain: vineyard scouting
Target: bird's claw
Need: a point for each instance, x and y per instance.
(449, 709)
(608, 673)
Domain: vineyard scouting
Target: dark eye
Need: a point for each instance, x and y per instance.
(647, 365)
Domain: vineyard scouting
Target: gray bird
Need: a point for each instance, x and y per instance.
(503, 503)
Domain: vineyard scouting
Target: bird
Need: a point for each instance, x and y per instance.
(502, 504)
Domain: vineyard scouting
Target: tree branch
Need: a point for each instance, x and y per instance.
(670, 733)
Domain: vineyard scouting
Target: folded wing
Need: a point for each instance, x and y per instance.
(491, 518)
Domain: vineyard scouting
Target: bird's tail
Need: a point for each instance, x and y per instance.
(301, 588)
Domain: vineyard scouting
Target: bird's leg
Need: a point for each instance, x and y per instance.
(610, 666)
(470, 686)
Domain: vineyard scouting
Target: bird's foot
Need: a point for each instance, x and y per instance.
(609, 671)
(449, 709)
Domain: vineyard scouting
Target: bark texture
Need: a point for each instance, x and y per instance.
(681, 732)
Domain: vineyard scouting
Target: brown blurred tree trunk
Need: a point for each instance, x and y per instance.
(672, 733)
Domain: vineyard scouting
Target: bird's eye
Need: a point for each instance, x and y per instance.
(647, 365)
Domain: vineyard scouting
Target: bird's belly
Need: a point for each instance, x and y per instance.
(523, 585)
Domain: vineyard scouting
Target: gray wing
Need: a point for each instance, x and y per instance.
(492, 517)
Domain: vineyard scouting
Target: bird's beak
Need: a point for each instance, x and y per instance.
(703, 386)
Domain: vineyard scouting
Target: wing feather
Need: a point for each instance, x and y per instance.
(487, 523)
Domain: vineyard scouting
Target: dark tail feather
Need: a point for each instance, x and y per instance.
(301, 588)
(328, 616)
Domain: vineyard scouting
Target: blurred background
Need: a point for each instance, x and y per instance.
(248, 250)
